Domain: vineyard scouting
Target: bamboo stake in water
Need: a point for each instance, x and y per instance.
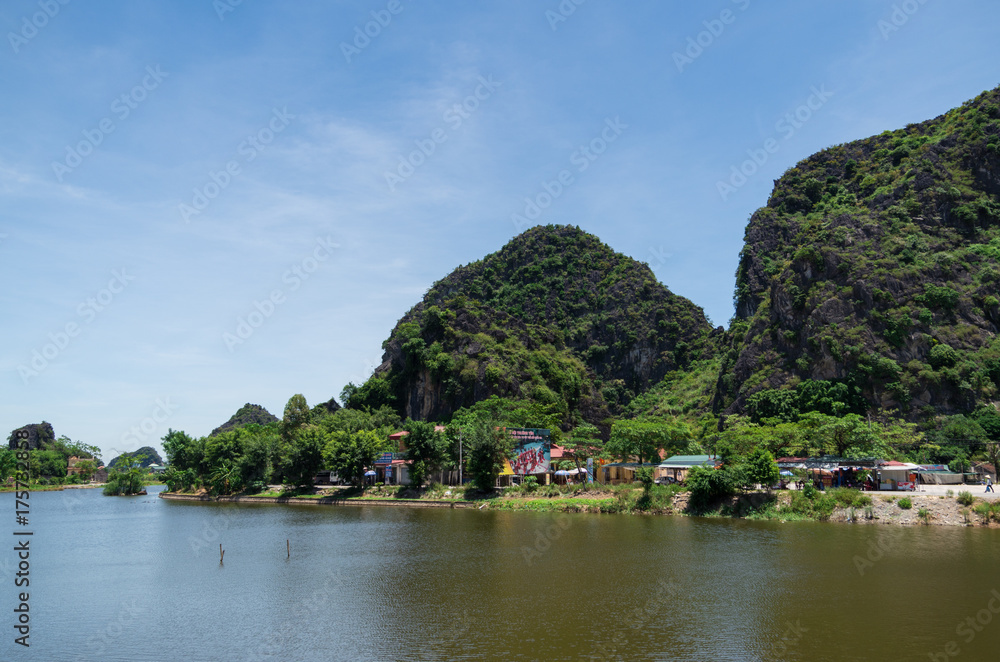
(288, 547)
(222, 553)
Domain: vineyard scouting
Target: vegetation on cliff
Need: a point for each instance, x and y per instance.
(555, 316)
(875, 265)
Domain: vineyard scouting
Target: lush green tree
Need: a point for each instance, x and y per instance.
(707, 485)
(426, 450)
(989, 420)
(645, 439)
(8, 464)
(302, 456)
(347, 393)
(488, 447)
(761, 469)
(261, 453)
(50, 464)
(126, 477)
(780, 405)
(182, 451)
(296, 415)
(86, 469)
(513, 413)
(961, 463)
(349, 454)
(993, 456)
(584, 442)
(961, 432)
(385, 419)
(178, 480)
(225, 448)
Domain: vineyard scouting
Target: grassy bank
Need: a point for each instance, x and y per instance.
(838, 505)
(33, 487)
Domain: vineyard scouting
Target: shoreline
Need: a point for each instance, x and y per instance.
(322, 501)
(944, 511)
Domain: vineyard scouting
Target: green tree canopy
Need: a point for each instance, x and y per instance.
(488, 446)
(426, 449)
(350, 453)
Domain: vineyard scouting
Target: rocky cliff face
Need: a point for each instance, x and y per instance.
(555, 315)
(39, 435)
(877, 263)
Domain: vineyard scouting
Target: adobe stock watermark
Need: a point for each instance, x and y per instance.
(99, 645)
(454, 117)
(660, 257)
(274, 643)
(122, 107)
(970, 628)
(163, 410)
(371, 363)
(249, 148)
(876, 551)
(363, 35)
(88, 310)
(30, 26)
(639, 619)
(544, 537)
(900, 16)
(562, 12)
(293, 277)
(789, 639)
(223, 7)
(580, 159)
(211, 531)
(702, 41)
(788, 126)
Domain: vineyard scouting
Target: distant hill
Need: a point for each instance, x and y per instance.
(245, 415)
(555, 315)
(149, 453)
(39, 435)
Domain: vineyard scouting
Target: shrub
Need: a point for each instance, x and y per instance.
(847, 497)
(925, 515)
(965, 498)
(942, 356)
(905, 503)
(706, 485)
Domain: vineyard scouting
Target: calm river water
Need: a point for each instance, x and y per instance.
(139, 579)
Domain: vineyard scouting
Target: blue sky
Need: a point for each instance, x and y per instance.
(205, 204)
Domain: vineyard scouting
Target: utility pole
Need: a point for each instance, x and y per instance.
(459, 459)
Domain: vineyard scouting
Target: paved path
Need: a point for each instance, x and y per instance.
(977, 491)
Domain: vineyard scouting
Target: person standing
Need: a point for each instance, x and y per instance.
(989, 483)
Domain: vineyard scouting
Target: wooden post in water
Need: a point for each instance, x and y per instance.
(288, 547)
(222, 553)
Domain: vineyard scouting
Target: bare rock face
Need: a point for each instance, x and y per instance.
(39, 434)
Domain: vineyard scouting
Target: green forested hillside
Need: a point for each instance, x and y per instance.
(555, 316)
(876, 264)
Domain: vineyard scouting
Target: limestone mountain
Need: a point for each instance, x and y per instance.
(556, 316)
(146, 455)
(40, 435)
(875, 265)
(246, 415)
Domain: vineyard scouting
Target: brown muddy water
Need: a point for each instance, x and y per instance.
(140, 579)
